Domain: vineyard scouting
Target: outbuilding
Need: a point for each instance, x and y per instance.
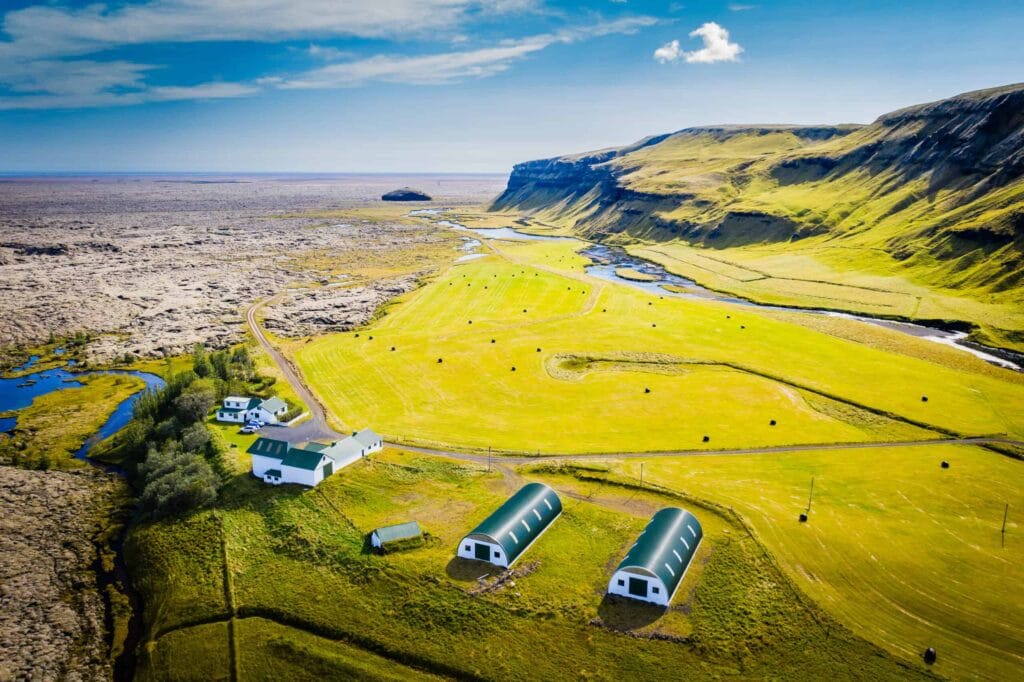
(397, 536)
(508, 532)
(278, 462)
(658, 560)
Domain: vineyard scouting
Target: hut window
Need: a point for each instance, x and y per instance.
(466, 547)
(622, 583)
(655, 590)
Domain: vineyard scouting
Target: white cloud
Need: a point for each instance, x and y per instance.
(717, 47)
(211, 90)
(736, 7)
(452, 66)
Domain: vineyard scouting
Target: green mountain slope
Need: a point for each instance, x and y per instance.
(926, 203)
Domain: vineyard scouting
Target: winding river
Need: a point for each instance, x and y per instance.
(608, 260)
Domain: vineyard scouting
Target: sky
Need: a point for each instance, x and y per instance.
(459, 85)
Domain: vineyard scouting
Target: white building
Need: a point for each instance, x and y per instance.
(276, 461)
(655, 565)
(240, 410)
(502, 537)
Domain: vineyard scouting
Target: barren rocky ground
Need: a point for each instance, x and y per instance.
(51, 612)
(158, 264)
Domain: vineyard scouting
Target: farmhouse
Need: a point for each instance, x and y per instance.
(387, 537)
(277, 462)
(241, 410)
(504, 535)
(657, 561)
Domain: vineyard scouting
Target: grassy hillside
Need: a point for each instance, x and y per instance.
(921, 212)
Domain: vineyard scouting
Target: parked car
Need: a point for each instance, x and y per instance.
(249, 428)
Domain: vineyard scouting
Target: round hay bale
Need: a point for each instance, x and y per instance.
(930, 656)
(392, 348)
(647, 390)
(538, 350)
(803, 518)
(771, 423)
(945, 464)
(706, 439)
(439, 361)
(357, 335)
(513, 368)
(492, 340)
(924, 399)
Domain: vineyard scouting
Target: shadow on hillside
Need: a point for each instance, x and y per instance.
(626, 615)
(468, 570)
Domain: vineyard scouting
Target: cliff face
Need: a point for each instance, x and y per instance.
(941, 181)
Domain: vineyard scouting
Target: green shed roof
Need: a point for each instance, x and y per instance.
(302, 459)
(666, 546)
(268, 447)
(273, 404)
(518, 522)
(400, 531)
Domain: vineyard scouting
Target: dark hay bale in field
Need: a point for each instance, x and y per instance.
(471, 321)
(945, 464)
(647, 390)
(604, 310)
(650, 303)
(653, 325)
(728, 317)
(706, 439)
(538, 350)
(513, 368)
(492, 340)
(930, 655)
(771, 423)
(803, 518)
(370, 339)
(743, 326)
(439, 361)
(524, 310)
(357, 335)
(924, 399)
(392, 348)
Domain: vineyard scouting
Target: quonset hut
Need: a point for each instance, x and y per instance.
(657, 561)
(504, 535)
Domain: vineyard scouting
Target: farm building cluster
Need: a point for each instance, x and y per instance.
(651, 571)
(277, 461)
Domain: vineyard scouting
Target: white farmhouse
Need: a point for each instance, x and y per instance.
(240, 410)
(277, 462)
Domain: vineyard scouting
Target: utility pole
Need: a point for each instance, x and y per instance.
(810, 498)
(1006, 510)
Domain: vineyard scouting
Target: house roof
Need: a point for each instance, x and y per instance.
(367, 437)
(273, 404)
(276, 473)
(666, 546)
(302, 459)
(268, 447)
(345, 448)
(523, 517)
(237, 398)
(400, 531)
(313, 446)
(253, 403)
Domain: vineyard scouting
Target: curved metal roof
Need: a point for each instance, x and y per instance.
(523, 517)
(666, 546)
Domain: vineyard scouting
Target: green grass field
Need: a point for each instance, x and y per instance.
(309, 600)
(722, 371)
(907, 554)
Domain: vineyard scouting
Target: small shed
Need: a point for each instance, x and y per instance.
(396, 536)
(656, 563)
(508, 532)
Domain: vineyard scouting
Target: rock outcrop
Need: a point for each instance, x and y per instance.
(406, 194)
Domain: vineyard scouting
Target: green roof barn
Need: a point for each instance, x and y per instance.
(399, 534)
(656, 563)
(504, 535)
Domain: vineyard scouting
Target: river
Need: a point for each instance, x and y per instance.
(607, 260)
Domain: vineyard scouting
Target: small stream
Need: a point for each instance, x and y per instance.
(607, 260)
(18, 393)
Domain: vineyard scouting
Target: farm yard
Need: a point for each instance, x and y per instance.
(302, 584)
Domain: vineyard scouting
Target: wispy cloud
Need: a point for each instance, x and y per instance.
(447, 67)
(735, 7)
(717, 47)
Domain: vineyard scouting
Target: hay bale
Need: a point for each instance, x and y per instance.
(803, 518)
(930, 655)
(945, 464)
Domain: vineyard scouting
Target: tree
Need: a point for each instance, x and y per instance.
(176, 482)
(200, 363)
(195, 437)
(195, 402)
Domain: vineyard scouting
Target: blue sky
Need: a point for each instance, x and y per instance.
(459, 85)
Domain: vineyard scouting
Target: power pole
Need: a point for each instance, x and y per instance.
(1006, 510)
(810, 498)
